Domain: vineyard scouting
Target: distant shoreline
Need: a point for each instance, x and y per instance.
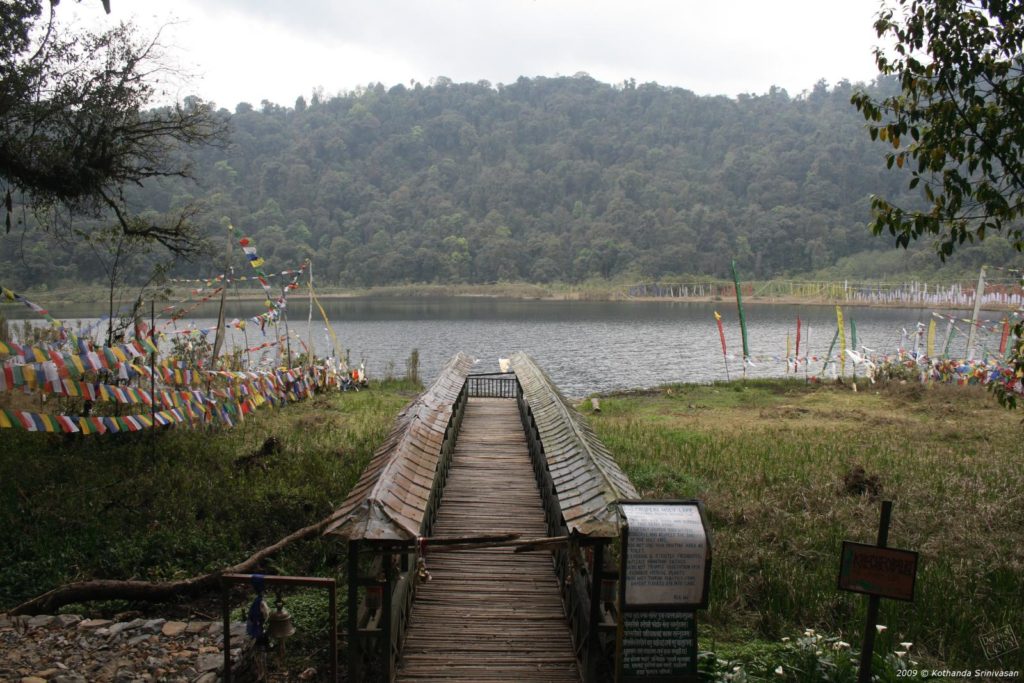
(512, 291)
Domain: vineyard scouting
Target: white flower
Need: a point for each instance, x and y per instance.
(786, 639)
(779, 670)
(900, 653)
(809, 632)
(840, 645)
(880, 628)
(906, 646)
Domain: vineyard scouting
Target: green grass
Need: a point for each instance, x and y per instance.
(769, 459)
(168, 504)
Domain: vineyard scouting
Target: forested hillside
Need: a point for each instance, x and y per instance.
(545, 179)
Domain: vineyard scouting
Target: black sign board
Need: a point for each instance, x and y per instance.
(874, 570)
(665, 572)
(659, 646)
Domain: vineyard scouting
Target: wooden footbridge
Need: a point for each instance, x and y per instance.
(439, 585)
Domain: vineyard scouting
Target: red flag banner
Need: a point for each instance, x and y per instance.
(721, 332)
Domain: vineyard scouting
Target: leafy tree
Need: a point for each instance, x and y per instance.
(957, 123)
(74, 129)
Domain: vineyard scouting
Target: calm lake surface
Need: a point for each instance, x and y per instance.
(584, 346)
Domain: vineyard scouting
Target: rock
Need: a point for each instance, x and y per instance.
(5, 621)
(70, 649)
(128, 615)
(154, 625)
(122, 626)
(94, 623)
(132, 642)
(173, 629)
(209, 662)
(41, 620)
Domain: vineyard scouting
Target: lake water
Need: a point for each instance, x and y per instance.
(584, 346)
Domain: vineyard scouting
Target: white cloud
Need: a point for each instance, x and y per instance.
(251, 50)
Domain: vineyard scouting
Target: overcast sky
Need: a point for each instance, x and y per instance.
(251, 50)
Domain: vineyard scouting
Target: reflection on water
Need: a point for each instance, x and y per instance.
(584, 346)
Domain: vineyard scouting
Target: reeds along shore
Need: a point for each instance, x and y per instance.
(788, 471)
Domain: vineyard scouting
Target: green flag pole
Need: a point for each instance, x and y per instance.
(853, 342)
(831, 346)
(743, 318)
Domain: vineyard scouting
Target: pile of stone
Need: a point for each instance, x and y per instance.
(69, 649)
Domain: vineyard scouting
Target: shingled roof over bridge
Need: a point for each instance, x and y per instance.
(390, 499)
(587, 480)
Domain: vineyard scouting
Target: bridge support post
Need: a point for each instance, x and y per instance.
(592, 667)
(388, 645)
(355, 649)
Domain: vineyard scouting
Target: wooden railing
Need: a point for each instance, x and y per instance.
(580, 567)
(382, 548)
(380, 628)
(501, 385)
(381, 524)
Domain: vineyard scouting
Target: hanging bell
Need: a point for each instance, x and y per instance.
(279, 624)
(421, 570)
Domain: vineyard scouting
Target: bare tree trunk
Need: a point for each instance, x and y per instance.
(154, 591)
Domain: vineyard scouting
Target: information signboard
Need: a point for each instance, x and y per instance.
(659, 646)
(874, 570)
(667, 555)
(665, 569)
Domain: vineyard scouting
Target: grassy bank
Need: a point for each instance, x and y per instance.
(169, 504)
(776, 463)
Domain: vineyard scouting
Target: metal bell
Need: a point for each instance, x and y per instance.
(279, 624)
(421, 570)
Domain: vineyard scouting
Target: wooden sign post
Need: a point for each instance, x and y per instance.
(665, 572)
(879, 572)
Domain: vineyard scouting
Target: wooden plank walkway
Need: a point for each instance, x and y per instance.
(489, 615)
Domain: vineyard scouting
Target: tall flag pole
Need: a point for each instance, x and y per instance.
(807, 353)
(1005, 338)
(796, 365)
(979, 292)
(828, 357)
(789, 349)
(853, 345)
(949, 337)
(721, 336)
(930, 349)
(918, 333)
(841, 331)
(743, 318)
(218, 339)
(309, 322)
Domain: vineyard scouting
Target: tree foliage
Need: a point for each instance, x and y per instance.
(75, 129)
(544, 179)
(957, 123)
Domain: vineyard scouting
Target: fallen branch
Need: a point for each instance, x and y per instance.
(154, 591)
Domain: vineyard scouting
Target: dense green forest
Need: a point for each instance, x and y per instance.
(545, 179)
